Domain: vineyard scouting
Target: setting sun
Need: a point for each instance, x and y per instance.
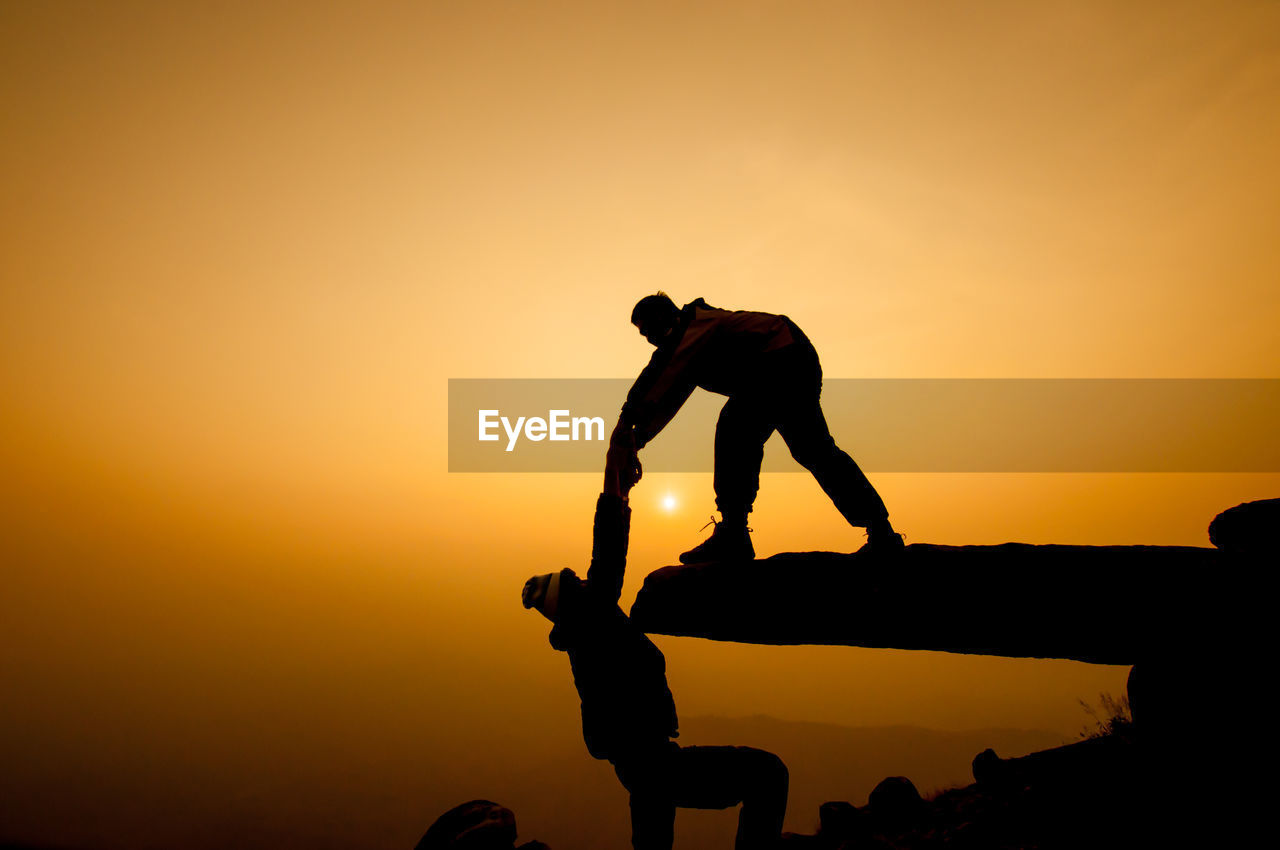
(669, 503)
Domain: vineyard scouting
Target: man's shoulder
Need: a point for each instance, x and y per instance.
(703, 315)
(700, 311)
(699, 304)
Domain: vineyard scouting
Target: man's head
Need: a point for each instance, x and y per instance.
(655, 316)
(547, 592)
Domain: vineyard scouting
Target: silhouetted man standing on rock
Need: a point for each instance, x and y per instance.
(770, 372)
(628, 714)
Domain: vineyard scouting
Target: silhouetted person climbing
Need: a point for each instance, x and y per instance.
(628, 714)
(770, 372)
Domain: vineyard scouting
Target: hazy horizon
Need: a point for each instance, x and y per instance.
(559, 796)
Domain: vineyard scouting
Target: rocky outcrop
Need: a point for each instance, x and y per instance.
(1087, 794)
(1174, 612)
(1101, 604)
(1067, 766)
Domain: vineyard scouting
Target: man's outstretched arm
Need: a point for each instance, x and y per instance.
(669, 379)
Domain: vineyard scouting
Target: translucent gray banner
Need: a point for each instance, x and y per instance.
(897, 425)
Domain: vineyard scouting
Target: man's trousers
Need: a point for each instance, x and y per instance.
(785, 398)
(666, 776)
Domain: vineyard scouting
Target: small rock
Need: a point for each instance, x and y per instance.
(895, 798)
(987, 767)
(837, 820)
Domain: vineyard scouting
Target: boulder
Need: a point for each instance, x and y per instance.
(837, 820)
(474, 825)
(895, 799)
(1251, 528)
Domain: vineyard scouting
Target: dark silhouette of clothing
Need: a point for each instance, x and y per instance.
(785, 398)
(621, 676)
(770, 371)
(610, 538)
(629, 716)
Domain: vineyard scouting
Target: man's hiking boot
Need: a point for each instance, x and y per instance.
(883, 545)
(728, 542)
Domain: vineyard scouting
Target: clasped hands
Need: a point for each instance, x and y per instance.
(622, 462)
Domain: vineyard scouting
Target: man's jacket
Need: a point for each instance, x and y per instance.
(723, 351)
(621, 678)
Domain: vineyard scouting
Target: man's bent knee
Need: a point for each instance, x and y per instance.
(815, 456)
(772, 772)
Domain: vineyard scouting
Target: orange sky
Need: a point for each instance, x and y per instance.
(244, 247)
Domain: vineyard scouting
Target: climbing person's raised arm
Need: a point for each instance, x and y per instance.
(611, 527)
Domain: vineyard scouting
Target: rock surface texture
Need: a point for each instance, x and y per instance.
(1101, 604)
